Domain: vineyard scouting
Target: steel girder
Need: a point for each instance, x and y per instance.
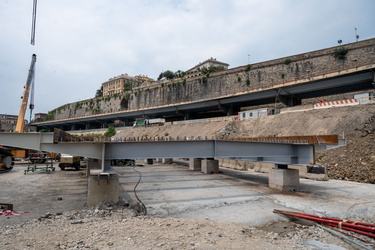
(279, 153)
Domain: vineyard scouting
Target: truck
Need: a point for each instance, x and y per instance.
(69, 161)
(256, 113)
(6, 160)
(364, 98)
(142, 122)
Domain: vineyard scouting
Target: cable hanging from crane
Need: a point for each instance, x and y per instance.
(33, 23)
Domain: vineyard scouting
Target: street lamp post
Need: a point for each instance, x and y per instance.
(356, 36)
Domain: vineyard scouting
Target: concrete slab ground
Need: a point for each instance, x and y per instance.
(240, 196)
(39, 193)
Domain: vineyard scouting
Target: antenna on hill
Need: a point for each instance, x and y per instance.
(356, 36)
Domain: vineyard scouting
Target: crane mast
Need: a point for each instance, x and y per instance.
(25, 97)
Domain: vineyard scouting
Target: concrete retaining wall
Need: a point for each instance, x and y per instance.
(259, 76)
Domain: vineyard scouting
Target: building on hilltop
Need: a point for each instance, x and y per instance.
(212, 62)
(39, 117)
(144, 80)
(118, 84)
(124, 82)
(8, 122)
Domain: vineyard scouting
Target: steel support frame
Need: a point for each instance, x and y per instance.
(45, 142)
(278, 153)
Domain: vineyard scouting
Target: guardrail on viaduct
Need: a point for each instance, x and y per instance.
(257, 77)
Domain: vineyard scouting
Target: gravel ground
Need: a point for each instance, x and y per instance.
(111, 227)
(58, 219)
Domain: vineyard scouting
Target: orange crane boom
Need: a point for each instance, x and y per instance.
(25, 97)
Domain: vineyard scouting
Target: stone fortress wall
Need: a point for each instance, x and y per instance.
(243, 79)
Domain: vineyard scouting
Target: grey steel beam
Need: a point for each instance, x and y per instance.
(45, 142)
(279, 153)
(86, 149)
(267, 152)
(26, 140)
(160, 149)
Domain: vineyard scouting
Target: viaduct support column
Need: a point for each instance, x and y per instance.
(284, 179)
(195, 164)
(187, 115)
(167, 160)
(102, 185)
(290, 100)
(210, 166)
(104, 124)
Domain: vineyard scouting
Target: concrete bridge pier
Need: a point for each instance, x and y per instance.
(210, 166)
(284, 179)
(167, 160)
(195, 164)
(186, 115)
(290, 100)
(102, 185)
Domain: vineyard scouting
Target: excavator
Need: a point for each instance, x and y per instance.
(6, 157)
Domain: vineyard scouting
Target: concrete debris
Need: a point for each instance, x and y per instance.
(314, 244)
(117, 228)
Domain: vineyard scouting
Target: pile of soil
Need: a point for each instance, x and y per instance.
(354, 162)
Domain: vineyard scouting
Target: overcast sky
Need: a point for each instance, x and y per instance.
(82, 43)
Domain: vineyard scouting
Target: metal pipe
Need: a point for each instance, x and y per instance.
(344, 238)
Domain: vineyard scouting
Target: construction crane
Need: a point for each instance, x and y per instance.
(20, 127)
(6, 157)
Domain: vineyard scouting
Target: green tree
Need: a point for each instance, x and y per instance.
(340, 53)
(99, 92)
(167, 74)
(179, 73)
(170, 75)
(111, 131)
(128, 86)
(211, 69)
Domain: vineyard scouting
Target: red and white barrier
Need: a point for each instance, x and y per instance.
(342, 103)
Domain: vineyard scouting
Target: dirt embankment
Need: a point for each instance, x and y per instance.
(355, 162)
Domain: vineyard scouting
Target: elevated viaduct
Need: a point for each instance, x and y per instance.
(289, 80)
